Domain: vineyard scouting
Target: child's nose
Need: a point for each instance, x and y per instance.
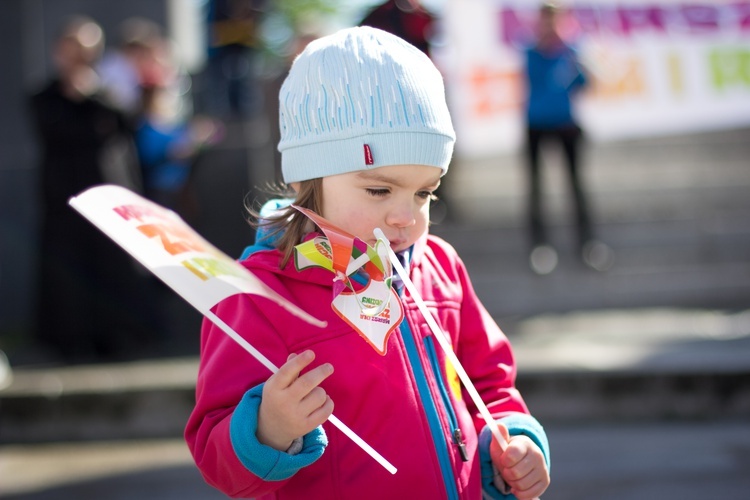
(401, 215)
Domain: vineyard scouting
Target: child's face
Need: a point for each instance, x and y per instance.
(394, 198)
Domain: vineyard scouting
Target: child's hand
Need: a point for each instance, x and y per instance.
(293, 405)
(521, 466)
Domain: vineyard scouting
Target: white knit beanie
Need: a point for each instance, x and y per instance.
(359, 99)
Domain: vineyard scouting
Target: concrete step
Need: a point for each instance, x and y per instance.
(684, 263)
(142, 399)
(654, 363)
(638, 365)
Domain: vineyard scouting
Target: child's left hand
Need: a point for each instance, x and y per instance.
(522, 466)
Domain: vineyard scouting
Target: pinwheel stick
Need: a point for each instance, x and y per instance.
(440, 336)
(273, 368)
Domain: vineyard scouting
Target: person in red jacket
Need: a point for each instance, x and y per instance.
(407, 19)
(365, 138)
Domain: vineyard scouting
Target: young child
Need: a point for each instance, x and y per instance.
(365, 138)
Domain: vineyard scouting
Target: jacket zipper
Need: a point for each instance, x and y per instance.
(430, 408)
(456, 433)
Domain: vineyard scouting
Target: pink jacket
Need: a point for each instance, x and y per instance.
(398, 403)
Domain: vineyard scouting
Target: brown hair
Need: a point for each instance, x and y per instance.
(290, 224)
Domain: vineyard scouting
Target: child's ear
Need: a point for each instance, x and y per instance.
(295, 186)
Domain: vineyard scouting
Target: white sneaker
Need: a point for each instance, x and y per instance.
(543, 259)
(598, 255)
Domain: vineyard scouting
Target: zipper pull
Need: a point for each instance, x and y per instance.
(458, 438)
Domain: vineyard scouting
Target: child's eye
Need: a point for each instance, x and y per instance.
(379, 192)
(427, 195)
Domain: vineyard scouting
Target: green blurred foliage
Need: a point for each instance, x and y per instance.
(286, 19)
(300, 12)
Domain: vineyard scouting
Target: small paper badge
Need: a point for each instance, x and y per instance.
(375, 329)
(368, 155)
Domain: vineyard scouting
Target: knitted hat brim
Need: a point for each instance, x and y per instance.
(350, 154)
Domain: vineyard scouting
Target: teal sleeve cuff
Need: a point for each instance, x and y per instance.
(265, 462)
(523, 424)
(517, 424)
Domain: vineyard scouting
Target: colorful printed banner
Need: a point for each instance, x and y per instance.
(657, 67)
(174, 252)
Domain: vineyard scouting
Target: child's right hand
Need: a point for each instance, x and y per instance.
(521, 465)
(293, 404)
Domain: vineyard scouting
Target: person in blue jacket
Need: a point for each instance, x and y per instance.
(168, 145)
(554, 76)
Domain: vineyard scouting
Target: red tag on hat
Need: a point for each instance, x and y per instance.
(368, 155)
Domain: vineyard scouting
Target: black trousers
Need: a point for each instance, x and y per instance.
(569, 139)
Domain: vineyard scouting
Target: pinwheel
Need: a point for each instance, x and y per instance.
(362, 293)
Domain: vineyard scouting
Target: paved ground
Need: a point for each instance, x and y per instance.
(612, 365)
(648, 461)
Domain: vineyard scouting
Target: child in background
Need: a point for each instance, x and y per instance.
(169, 137)
(168, 145)
(365, 138)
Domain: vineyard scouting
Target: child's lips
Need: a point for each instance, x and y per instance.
(396, 244)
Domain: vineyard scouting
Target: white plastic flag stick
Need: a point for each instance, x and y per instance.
(333, 419)
(197, 271)
(440, 337)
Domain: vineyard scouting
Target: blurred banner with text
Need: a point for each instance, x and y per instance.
(656, 67)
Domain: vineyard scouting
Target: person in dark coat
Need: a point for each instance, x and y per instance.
(92, 302)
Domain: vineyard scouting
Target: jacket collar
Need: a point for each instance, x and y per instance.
(268, 259)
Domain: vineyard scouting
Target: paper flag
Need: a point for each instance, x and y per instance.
(161, 241)
(191, 266)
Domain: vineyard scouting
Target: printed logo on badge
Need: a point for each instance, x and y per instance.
(368, 155)
(375, 329)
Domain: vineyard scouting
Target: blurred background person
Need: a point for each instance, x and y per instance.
(91, 303)
(168, 136)
(407, 19)
(234, 46)
(122, 69)
(554, 76)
